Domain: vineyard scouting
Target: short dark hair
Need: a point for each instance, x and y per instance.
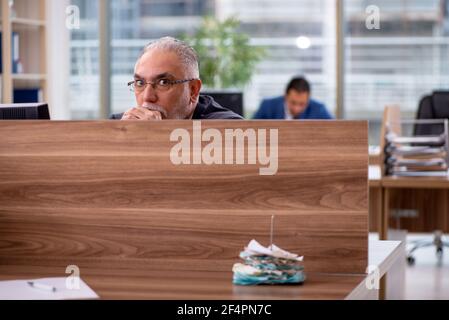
(299, 84)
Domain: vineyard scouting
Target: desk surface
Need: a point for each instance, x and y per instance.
(376, 180)
(109, 197)
(216, 285)
(416, 182)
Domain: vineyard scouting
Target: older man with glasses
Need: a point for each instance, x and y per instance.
(167, 85)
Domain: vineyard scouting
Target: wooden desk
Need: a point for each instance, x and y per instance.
(430, 195)
(384, 255)
(107, 197)
(416, 182)
(141, 284)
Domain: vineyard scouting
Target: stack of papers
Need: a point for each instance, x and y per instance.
(415, 151)
(416, 156)
(417, 140)
(270, 265)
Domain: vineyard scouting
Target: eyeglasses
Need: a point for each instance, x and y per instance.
(158, 85)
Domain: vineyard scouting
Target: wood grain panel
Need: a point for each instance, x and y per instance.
(77, 182)
(416, 182)
(134, 138)
(160, 285)
(189, 240)
(375, 207)
(430, 205)
(105, 194)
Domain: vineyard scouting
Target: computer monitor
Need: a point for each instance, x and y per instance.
(24, 111)
(230, 100)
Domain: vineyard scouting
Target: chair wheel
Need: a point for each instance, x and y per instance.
(410, 260)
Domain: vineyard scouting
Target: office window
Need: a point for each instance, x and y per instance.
(277, 25)
(274, 24)
(170, 8)
(397, 64)
(84, 78)
(134, 24)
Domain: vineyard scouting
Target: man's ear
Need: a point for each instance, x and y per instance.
(195, 88)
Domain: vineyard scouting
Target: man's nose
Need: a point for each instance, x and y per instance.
(149, 94)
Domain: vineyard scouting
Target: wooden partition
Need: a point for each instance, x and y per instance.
(106, 197)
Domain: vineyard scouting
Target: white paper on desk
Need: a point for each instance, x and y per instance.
(21, 290)
(255, 247)
(420, 173)
(417, 162)
(429, 140)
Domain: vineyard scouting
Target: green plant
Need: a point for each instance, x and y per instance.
(227, 60)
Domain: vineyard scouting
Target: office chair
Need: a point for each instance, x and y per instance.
(434, 106)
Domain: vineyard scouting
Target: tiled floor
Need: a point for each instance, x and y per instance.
(427, 279)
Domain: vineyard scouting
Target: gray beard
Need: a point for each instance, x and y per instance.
(179, 113)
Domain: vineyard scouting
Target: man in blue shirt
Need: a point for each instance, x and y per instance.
(296, 104)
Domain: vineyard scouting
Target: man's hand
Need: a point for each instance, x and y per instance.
(141, 113)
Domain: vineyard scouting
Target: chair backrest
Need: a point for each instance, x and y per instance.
(440, 100)
(434, 106)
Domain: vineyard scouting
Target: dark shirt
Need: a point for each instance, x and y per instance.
(206, 109)
(274, 108)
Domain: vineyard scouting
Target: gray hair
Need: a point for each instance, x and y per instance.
(186, 53)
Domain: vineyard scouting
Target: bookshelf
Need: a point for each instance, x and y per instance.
(30, 23)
